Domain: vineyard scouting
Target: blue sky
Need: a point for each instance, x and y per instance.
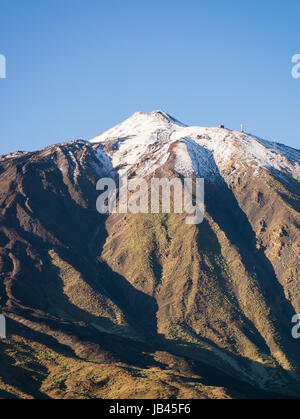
(78, 67)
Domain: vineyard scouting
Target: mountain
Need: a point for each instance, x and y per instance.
(146, 305)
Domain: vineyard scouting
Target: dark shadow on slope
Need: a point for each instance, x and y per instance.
(280, 383)
(24, 379)
(291, 192)
(83, 342)
(140, 307)
(4, 395)
(209, 245)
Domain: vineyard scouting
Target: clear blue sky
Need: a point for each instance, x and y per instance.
(78, 67)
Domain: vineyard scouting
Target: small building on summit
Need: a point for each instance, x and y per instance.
(2, 327)
(221, 126)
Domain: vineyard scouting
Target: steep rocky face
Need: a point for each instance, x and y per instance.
(147, 299)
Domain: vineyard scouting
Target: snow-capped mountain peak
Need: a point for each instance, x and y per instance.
(140, 124)
(148, 140)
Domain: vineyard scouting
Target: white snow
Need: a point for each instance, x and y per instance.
(139, 135)
(144, 139)
(106, 166)
(140, 127)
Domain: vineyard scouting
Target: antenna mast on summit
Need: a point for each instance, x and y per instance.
(242, 128)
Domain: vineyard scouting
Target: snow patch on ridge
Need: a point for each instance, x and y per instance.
(242, 149)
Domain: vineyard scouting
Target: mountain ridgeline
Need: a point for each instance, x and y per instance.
(145, 305)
